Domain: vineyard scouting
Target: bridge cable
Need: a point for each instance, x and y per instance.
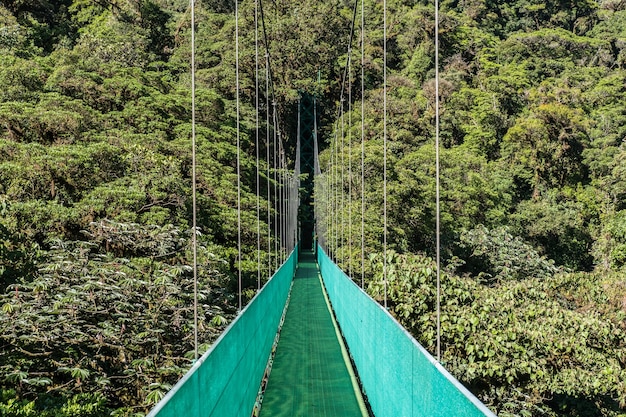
(438, 212)
(283, 199)
(343, 181)
(271, 165)
(298, 141)
(194, 242)
(385, 150)
(267, 142)
(340, 116)
(275, 169)
(257, 118)
(239, 281)
(362, 144)
(267, 163)
(350, 163)
(335, 199)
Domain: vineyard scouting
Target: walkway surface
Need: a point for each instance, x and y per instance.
(310, 376)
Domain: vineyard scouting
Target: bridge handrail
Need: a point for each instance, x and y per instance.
(398, 376)
(226, 379)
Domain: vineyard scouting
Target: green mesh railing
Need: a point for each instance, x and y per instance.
(225, 381)
(398, 376)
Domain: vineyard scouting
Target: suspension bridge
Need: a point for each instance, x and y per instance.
(312, 342)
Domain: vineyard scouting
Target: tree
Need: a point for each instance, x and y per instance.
(545, 147)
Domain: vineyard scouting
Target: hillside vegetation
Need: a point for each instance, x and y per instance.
(95, 190)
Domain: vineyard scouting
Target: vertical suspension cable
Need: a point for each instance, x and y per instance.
(281, 197)
(194, 241)
(239, 281)
(297, 162)
(362, 143)
(316, 164)
(285, 205)
(437, 169)
(350, 160)
(385, 149)
(336, 184)
(267, 163)
(329, 207)
(268, 77)
(342, 185)
(258, 176)
(279, 203)
(283, 202)
(331, 198)
(297, 168)
(275, 167)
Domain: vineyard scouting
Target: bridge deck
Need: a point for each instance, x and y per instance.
(310, 375)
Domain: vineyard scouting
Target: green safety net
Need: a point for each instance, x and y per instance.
(398, 376)
(225, 381)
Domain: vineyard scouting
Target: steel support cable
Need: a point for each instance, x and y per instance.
(333, 229)
(298, 161)
(194, 240)
(362, 143)
(331, 198)
(340, 114)
(437, 173)
(283, 200)
(279, 202)
(286, 183)
(329, 224)
(316, 163)
(288, 178)
(331, 194)
(350, 163)
(345, 70)
(268, 164)
(239, 281)
(342, 203)
(385, 149)
(283, 203)
(267, 53)
(337, 185)
(275, 169)
(270, 92)
(258, 127)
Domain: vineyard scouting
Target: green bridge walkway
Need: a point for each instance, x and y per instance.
(311, 374)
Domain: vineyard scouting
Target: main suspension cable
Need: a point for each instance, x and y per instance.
(340, 116)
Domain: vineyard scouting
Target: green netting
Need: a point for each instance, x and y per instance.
(225, 381)
(309, 376)
(399, 377)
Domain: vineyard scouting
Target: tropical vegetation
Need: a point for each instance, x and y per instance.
(96, 283)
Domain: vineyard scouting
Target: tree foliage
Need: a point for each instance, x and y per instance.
(532, 206)
(95, 185)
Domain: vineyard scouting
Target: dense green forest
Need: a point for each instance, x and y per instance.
(95, 189)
